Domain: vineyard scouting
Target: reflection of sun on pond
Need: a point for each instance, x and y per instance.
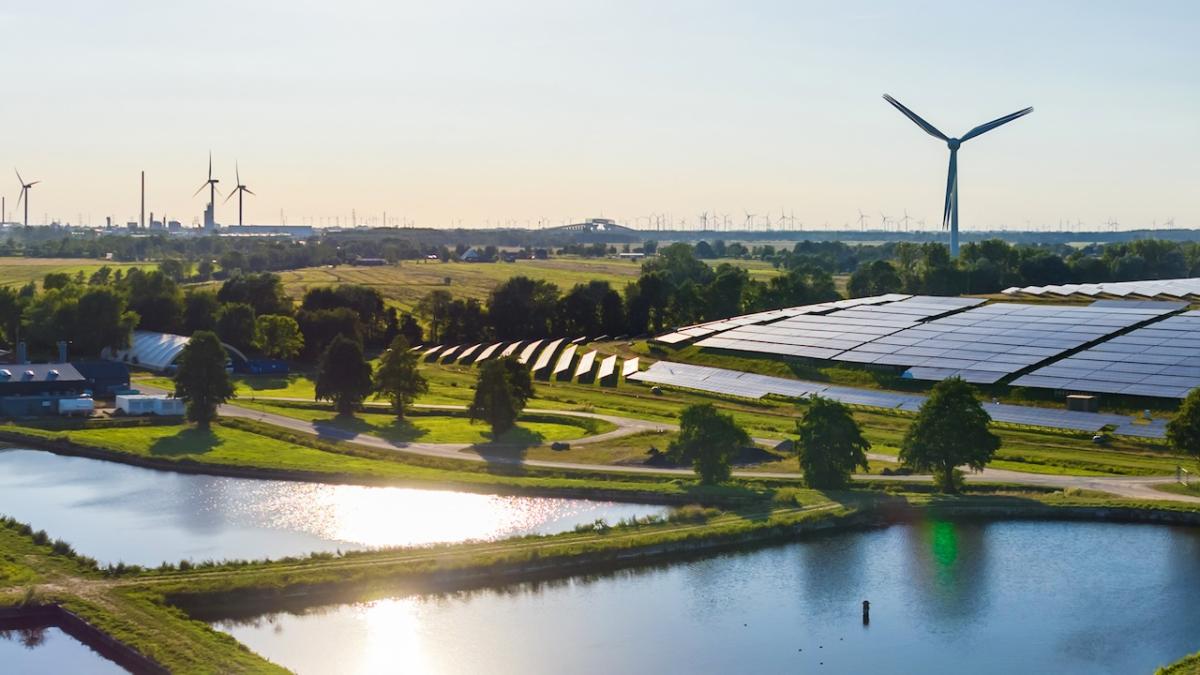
(375, 517)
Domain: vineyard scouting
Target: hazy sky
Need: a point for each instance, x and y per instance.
(440, 112)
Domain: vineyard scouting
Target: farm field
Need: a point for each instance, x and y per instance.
(20, 271)
(404, 284)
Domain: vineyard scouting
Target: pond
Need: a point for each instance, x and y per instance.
(33, 648)
(119, 513)
(946, 597)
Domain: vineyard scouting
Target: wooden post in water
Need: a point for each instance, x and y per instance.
(866, 612)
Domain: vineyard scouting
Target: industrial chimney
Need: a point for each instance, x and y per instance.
(62, 351)
(21, 353)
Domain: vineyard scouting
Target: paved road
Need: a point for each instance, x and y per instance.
(1135, 487)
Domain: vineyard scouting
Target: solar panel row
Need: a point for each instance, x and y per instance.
(1158, 288)
(824, 336)
(985, 344)
(752, 385)
(1161, 360)
(712, 327)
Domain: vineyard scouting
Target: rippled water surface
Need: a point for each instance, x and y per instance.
(1023, 597)
(115, 512)
(47, 650)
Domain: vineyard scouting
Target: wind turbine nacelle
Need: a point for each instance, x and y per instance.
(954, 143)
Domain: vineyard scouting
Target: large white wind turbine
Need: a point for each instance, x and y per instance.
(950, 213)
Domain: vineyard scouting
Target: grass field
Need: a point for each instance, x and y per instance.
(404, 284)
(20, 271)
(1024, 449)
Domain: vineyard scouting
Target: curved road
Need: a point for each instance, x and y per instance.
(1134, 487)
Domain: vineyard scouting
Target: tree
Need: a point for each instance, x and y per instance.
(320, 327)
(200, 311)
(103, 321)
(503, 387)
(1183, 432)
(201, 380)
(830, 443)
(264, 292)
(278, 336)
(951, 429)
(156, 299)
(343, 375)
(522, 308)
(709, 440)
(235, 324)
(398, 379)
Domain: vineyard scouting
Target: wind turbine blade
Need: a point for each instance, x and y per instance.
(249, 191)
(230, 196)
(21, 196)
(199, 189)
(929, 128)
(19, 177)
(951, 177)
(984, 128)
(34, 183)
(237, 173)
(210, 164)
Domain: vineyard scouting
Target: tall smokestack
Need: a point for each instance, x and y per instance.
(62, 351)
(21, 353)
(142, 218)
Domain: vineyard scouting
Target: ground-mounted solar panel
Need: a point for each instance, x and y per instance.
(545, 356)
(488, 352)
(1157, 288)
(1148, 361)
(447, 355)
(466, 355)
(586, 362)
(431, 353)
(562, 368)
(629, 367)
(511, 349)
(606, 373)
(987, 343)
(529, 351)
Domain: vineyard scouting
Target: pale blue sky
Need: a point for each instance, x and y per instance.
(518, 110)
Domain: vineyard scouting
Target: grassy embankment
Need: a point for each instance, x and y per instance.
(1029, 449)
(1188, 665)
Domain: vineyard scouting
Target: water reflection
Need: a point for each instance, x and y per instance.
(30, 647)
(1062, 598)
(116, 513)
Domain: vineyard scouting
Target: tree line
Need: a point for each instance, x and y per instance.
(250, 312)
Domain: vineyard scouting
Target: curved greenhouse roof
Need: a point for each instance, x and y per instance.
(156, 351)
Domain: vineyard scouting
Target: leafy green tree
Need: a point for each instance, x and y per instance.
(200, 311)
(105, 322)
(522, 308)
(201, 380)
(398, 378)
(831, 444)
(951, 429)
(1183, 431)
(156, 299)
(503, 387)
(235, 324)
(264, 292)
(709, 440)
(343, 375)
(278, 337)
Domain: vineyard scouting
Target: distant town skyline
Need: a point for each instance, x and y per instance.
(528, 113)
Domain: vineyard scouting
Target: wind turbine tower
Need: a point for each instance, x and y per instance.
(950, 212)
(25, 188)
(240, 189)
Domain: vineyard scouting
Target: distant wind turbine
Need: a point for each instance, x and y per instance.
(25, 187)
(862, 220)
(950, 213)
(211, 184)
(238, 191)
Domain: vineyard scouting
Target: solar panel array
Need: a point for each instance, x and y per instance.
(1157, 288)
(824, 336)
(1161, 359)
(690, 333)
(752, 385)
(985, 344)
